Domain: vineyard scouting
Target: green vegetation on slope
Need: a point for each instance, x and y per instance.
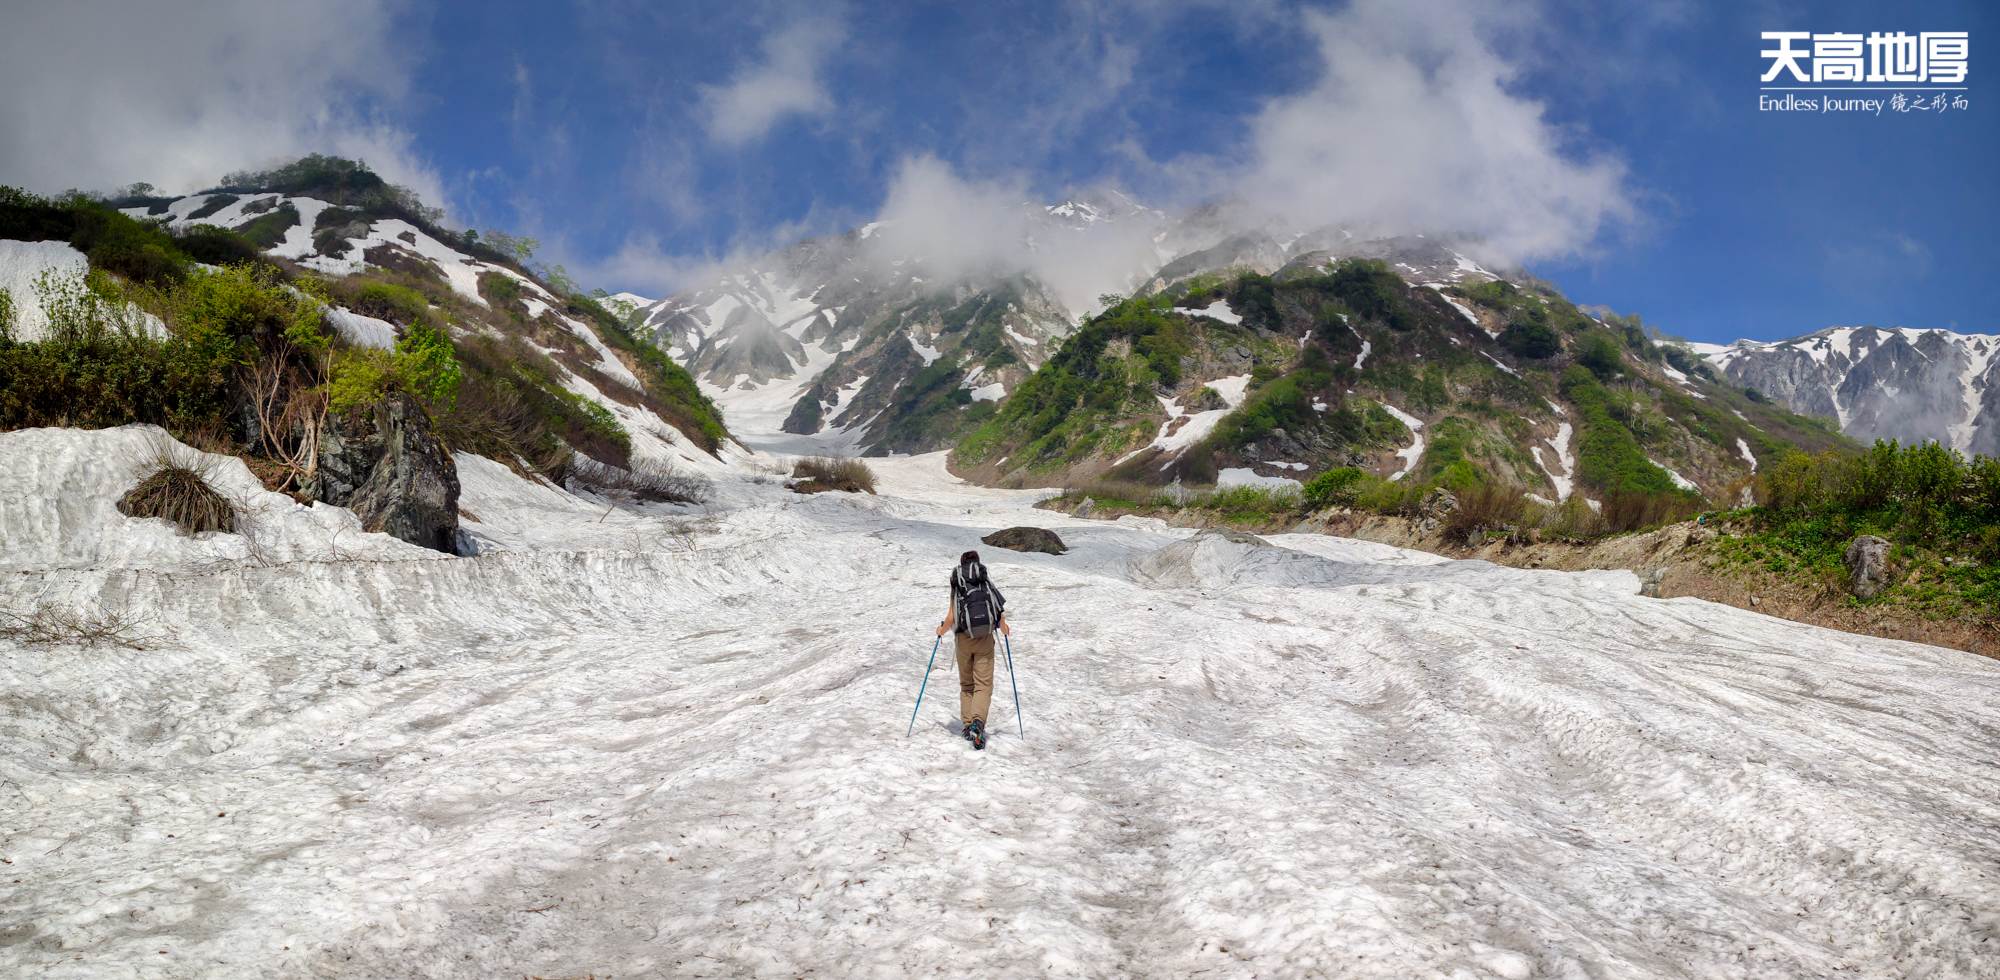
(234, 369)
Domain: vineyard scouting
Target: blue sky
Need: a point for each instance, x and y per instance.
(1618, 148)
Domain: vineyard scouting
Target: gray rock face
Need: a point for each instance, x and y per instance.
(1438, 503)
(1026, 539)
(1908, 385)
(389, 469)
(1084, 511)
(1867, 561)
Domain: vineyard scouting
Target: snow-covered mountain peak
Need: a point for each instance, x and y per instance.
(1880, 383)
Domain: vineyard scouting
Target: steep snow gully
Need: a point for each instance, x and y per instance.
(677, 750)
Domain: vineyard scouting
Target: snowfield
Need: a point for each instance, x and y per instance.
(672, 744)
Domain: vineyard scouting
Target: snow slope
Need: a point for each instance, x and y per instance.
(683, 754)
(21, 263)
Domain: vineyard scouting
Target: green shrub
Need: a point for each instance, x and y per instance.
(212, 245)
(1241, 502)
(1531, 337)
(7, 316)
(244, 309)
(392, 302)
(1498, 294)
(1685, 361)
(212, 205)
(1609, 458)
(348, 183)
(99, 366)
(1369, 290)
(500, 289)
(1599, 353)
(1339, 487)
(360, 376)
(268, 230)
(426, 366)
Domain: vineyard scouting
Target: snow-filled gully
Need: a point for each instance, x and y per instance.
(682, 756)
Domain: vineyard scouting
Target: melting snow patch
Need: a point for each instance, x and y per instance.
(1748, 456)
(1415, 451)
(1503, 367)
(1220, 310)
(1020, 338)
(1680, 481)
(365, 331)
(1566, 481)
(1245, 477)
(298, 242)
(929, 354)
(1466, 311)
(1231, 389)
(989, 393)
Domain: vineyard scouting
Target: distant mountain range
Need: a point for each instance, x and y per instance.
(1895, 383)
(859, 343)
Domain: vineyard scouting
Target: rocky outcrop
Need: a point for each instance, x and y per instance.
(1867, 561)
(1026, 539)
(386, 466)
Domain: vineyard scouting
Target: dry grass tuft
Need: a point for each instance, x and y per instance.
(822, 473)
(644, 481)
(1485, 507)
(48, 624)
(178, 493)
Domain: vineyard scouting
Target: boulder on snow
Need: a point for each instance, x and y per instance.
(1867, 561)
(386, 466)
(1085, 509)
(1026, 539)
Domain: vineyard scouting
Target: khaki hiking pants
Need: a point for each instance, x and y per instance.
(975, 676)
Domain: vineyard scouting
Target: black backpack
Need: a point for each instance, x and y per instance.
(979, 603)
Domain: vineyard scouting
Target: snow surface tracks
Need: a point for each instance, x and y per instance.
(1330, 759)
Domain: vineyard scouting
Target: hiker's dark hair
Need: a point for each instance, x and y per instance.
(970, 556)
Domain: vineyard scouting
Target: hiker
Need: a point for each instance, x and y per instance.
(977, 608)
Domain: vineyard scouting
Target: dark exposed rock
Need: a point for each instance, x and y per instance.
(386, 466)
(1867, 561)
(1026, 539)
(1205, 399)
(1437, 503)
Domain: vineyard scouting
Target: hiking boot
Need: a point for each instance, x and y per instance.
(975, 732)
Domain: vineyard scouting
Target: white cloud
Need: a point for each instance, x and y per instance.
(785, 82)
(1411, 128)
(103, 94)
(962, 227)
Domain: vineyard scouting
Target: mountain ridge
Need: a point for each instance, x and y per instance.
(1895, 383)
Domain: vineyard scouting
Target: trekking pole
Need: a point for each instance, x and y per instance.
(927, 682)
(1009, 637)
